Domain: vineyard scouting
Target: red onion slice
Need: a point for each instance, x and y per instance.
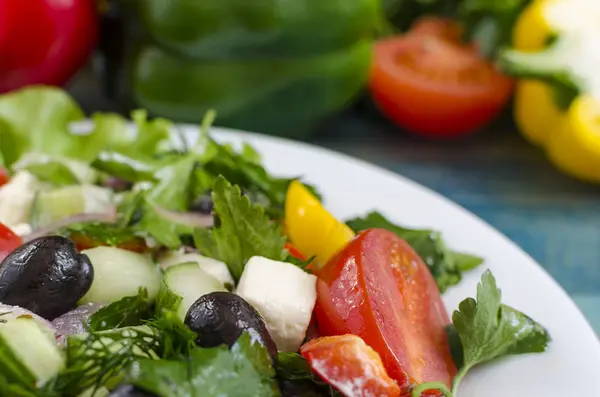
(8, 312)
(74, 322)
(192, 219)
(78, 218)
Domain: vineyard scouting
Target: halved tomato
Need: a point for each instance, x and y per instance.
(432, 84)
(349, 365)
(379, 289)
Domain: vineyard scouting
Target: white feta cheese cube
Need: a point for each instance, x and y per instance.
(284, 295)
(215, 268)
(17, 197)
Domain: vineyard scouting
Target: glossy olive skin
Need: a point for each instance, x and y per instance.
(130, 391)
(46, 276)
(222, 317)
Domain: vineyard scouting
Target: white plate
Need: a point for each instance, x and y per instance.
(571, 366)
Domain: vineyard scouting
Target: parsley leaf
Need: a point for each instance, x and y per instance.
(489, 330)
(445, 265)
(210, 372)
(244, 230)
(125, 312)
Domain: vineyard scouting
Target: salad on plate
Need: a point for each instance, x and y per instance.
(140, 261)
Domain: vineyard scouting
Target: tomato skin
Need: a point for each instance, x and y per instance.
(294, 252)
(8, 241)
(431, 84)
(349, 365)
(44, 41)
(4, 176)
(379, 289)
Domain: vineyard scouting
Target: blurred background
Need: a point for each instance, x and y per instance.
(494, 104)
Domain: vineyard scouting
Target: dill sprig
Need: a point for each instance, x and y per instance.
(92, 360)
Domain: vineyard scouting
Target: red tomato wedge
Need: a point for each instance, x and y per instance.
(4, 176)
(379, 289)
(431, 84)
(349, 365)
(8, 241)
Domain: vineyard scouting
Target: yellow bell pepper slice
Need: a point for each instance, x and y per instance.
(536, 112)
(311, 228)
(574, 146)
(532, 29)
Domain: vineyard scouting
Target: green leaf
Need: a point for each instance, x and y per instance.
(112, 235)
(244, 169)
(445, 265)
(171, 192)
(489, 330)
(244, 230)
(210, 372)
(36, 119)
(128, 311)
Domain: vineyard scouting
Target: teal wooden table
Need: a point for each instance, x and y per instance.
(496, 175)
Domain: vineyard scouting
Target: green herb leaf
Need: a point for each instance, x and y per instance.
(295, 373)
(112, 235)
(445, 265)
(125, 312)
(95, 358)
(210, 372)
(488, 329)
(244, 230)
(245, 170)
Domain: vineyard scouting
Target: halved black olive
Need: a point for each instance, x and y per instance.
(222, 317)
(46, 276)
(130, 391)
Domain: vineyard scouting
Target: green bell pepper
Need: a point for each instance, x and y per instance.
(273, 66)
(225, 29)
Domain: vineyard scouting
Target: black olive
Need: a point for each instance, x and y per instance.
(203, 204)
(222, 317)
(130, 391)
(300, 388)
(46, 276)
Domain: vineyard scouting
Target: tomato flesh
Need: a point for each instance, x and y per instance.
(431, 84)
(379, 289)
(83, 242)
(9, 241)
(349, 365)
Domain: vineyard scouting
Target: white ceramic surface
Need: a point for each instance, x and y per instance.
(571, 366)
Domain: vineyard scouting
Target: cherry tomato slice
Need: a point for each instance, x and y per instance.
(8, 241)
(435, 86)
(349, 365)
(379, 289)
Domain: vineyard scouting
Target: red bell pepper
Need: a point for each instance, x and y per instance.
(44, 41)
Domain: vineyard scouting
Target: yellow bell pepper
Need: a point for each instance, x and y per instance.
(311, 228)
(555, 52)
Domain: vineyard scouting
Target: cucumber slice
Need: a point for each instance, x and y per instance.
(29, 355)
(61, 203)
(119, 273)
(215, 268)
(187, 282)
